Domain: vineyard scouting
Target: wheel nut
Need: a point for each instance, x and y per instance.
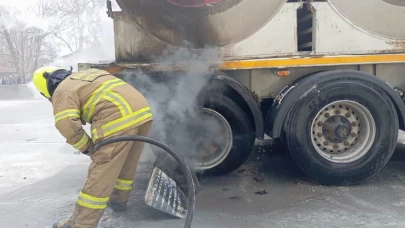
(325, 143)
(335, 146)
(354, 124)
(348, 115)
(319, 134)
(337, 112)
(346, 143)
(353, 134)
(320, 123)
(327, 115)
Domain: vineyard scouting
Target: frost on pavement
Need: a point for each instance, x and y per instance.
(31, 148)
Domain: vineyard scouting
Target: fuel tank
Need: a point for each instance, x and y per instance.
(198, 23)
(381, 17)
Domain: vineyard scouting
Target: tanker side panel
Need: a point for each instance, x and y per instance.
(136, 42)
(346, 27)
(133, 43)
(289, 29)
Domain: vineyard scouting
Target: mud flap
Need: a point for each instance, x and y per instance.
(168, 186)
(165, 195)
(169, 166)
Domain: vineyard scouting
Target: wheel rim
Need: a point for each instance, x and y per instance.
(212, 138)
(343, 131)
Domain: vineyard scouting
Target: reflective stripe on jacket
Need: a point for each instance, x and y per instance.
(109, 104)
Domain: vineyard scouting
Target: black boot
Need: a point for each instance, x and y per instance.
(62, 224)
(117, 207)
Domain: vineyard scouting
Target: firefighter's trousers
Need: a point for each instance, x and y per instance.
(110, 177)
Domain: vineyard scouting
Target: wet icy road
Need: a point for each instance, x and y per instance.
(40, 178)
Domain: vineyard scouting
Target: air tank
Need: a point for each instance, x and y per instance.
(201, 23)
(381, 17)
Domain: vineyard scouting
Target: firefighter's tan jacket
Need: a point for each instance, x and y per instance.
(109, 104)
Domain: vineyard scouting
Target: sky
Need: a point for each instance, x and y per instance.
(107, 32)
(18, 3)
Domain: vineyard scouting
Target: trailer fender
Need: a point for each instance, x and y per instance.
(278, 113)
(248, 100)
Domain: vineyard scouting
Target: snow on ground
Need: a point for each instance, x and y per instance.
(31, 148)
(10, 103)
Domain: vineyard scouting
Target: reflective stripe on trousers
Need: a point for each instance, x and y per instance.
(92, 202)
(122, 123)
(124, 185)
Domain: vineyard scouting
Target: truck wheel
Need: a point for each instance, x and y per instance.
(222, 137)
(342, 132)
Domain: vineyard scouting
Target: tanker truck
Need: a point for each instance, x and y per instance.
(324, 77)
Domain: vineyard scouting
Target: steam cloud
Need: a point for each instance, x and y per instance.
(104, 52)
(174, 96)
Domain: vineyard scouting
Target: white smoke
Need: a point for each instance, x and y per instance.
(174, 96)
(104, 52)
(34, 91)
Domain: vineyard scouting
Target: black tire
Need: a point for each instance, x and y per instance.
(242, 132)
(298, 131)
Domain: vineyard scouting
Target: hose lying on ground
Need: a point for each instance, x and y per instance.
(182, 164)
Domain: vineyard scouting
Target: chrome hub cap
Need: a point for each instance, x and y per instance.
(206, 139)
(343, 131)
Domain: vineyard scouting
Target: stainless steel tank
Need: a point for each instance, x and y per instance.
(201, 22)
(383, 17)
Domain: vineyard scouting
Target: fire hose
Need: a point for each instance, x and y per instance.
(182, 165)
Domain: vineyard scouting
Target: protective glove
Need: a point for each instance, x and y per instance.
(90, 150)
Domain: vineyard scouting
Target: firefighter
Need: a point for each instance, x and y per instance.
(113, 108)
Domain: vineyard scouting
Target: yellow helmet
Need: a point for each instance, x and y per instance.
(40, 80)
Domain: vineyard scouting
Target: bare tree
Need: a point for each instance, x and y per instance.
(84, 21)
(24, 40)
(61, 25)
